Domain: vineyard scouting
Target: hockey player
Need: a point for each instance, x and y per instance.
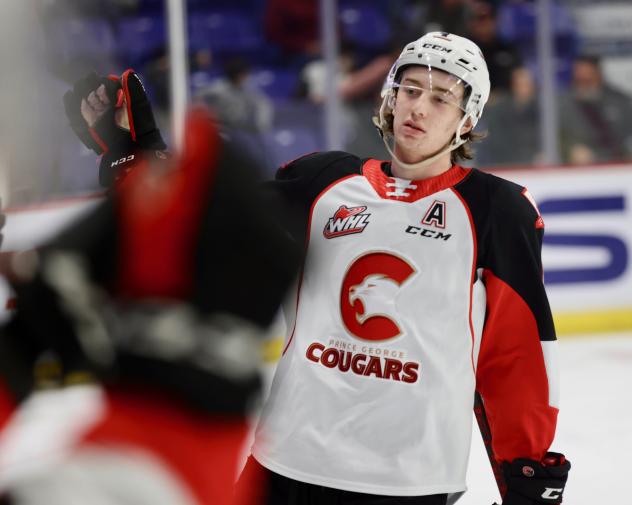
(422, 286)
(153, 305)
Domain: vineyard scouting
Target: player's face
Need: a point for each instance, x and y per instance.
(426, 113)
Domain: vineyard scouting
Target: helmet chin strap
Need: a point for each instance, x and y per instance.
(455, 144)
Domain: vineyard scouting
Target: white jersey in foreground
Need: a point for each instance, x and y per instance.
(426, 291)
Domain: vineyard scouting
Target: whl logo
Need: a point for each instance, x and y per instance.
(346, 220)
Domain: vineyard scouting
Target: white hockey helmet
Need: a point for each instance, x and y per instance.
(455, 55)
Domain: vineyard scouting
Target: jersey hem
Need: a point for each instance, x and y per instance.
(357, 487)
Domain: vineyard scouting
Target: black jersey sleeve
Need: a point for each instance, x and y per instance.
(516, 373)
(299, 182)
(244, 260)
(303, 179)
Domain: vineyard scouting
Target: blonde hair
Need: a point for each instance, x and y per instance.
(466, 151)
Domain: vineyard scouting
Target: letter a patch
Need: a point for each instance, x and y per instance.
(435, 216)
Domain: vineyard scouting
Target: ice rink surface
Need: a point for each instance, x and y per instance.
(594, 425)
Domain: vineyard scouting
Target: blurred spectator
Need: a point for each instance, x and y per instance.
(314, 74)
(447, 16)
(595, 118)
(512, 117)
(201, 60)
(293, 26)
(156, 73)
(360, 91)
(501, 56)
(237, 105)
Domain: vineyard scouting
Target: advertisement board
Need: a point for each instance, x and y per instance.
(587, 244)
(586, 252)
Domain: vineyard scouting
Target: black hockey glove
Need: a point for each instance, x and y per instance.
(531, 482)
(113, 117)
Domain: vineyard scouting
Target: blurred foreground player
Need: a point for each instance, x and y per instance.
(159, 297)
(422, 286)
(7, 402)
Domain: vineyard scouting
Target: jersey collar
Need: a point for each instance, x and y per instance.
(403, 190)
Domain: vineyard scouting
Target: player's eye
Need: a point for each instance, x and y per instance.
(412, 92)
(440, 99)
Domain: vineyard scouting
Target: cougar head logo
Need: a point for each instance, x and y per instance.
(377, 296)
(369, 292)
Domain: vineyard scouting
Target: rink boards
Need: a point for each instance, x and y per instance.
(586, 252)
(587, 244)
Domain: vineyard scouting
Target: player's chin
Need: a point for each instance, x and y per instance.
(411, 146)
(411, 154)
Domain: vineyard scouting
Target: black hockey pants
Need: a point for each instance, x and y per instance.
(284, 491)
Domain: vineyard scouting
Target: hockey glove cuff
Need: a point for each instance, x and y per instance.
(531, 482)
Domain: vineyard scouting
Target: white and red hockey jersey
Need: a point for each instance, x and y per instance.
(414, 295)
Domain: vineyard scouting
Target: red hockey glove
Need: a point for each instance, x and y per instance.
(531, 482)
(113, 117)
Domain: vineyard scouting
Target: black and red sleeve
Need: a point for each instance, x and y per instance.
(516, 370)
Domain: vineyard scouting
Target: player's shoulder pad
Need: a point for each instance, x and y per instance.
(511, 201)
(311, 164)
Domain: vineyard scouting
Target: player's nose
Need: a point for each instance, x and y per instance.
(421, 106)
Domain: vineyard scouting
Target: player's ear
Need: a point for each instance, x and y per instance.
(467, 127)
(392, 99)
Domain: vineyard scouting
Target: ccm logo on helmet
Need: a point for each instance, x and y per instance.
(436, 47)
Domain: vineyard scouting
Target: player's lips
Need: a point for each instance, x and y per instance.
(411, 126)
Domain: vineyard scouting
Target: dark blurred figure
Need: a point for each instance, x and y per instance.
(595, 118)
(511, 117)
(294, 27)
(447, 16)
(360, 93)
(238, 105)
(153, 306)
(156, 74)
(501, 56)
